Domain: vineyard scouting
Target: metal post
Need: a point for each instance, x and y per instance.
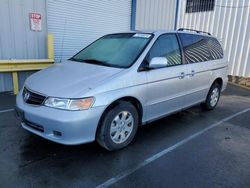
(15, 82)
(51, 46)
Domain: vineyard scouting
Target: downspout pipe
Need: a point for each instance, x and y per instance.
(133, 15)
(176, 14)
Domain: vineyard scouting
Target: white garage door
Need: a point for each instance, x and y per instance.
(76, 23)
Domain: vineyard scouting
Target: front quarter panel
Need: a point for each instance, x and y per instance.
(129, 84)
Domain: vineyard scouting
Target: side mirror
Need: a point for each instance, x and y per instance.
(158, 62)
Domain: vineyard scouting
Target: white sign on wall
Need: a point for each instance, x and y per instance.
(35, 21)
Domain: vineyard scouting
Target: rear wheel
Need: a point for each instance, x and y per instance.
(118, 126)
(212, 97)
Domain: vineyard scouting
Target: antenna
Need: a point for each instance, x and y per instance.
(64, 30)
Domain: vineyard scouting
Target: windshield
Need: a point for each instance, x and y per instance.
(115, 50)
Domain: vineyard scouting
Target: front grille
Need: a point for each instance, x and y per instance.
(32, 98)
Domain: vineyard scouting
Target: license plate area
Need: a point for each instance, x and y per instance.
(21, 116)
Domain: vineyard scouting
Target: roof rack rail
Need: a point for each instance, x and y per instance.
(197, 31)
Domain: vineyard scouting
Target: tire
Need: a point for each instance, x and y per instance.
(118, 126)
(213, 97)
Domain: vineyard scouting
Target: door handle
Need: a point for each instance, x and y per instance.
(192, 73)
(182, 75)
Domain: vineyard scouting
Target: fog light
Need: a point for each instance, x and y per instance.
(57, 133)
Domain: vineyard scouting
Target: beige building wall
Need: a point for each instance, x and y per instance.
(155, 14)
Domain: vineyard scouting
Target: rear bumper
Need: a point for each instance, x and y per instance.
(225, 82)
(61, 126)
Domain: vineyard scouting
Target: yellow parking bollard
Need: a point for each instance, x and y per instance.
(50, 46)
(15, 82)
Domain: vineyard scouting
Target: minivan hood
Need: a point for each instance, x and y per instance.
(69, 79)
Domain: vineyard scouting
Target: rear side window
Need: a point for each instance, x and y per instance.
(215, 49)
(166, 46)
(195, 48)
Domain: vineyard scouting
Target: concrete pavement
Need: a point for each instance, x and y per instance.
(219, 157)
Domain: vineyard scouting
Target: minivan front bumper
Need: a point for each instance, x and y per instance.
(61, 126)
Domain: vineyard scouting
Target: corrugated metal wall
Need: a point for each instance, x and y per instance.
(17, 41)
(76, 23)
(155, 14)
(229, 21)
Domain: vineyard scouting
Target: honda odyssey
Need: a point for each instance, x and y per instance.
(121, 81)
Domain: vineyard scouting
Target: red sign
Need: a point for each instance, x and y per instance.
(35, 22)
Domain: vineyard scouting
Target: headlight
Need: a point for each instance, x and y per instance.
(69, 104)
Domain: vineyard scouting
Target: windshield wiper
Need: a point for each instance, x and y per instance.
(74, 59)
(92, 61)
(95, 61)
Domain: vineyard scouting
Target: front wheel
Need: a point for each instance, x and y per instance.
(212, 97)
(118, 127)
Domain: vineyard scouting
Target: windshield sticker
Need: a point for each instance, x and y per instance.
(142, 35)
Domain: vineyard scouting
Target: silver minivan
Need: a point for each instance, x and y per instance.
(121, 81)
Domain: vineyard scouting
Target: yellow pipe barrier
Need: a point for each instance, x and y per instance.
(15, 65)
(24, 65)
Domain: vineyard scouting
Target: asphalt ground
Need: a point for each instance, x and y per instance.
(191, 148)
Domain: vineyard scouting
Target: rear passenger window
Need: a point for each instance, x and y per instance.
(215, 49)
(166, 46)
(195, 48)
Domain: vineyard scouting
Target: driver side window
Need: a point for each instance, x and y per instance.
(166, 46)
